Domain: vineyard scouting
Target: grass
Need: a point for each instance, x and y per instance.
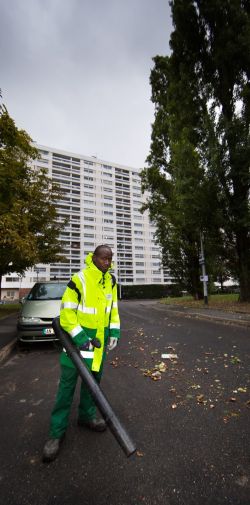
(228, 302)
(9, 308)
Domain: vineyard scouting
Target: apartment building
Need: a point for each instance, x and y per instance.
(102, 202)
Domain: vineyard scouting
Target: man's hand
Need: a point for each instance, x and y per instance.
(95, 342)
(112, 343)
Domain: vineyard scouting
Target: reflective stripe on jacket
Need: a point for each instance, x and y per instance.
(91, 306)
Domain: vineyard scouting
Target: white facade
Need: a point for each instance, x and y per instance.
(102, 201)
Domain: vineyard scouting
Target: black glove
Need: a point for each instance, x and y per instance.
(95, 342)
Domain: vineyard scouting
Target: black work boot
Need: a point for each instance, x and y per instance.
(93, 424)
(51, 449)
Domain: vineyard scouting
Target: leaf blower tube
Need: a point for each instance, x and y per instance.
(101, 401)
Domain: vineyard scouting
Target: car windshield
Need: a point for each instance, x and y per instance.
(47, 291)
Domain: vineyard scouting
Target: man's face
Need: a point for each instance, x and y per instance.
(103, 259)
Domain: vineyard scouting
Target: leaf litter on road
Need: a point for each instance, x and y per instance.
(210, 394)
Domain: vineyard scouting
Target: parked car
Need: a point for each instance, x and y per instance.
(38, 310)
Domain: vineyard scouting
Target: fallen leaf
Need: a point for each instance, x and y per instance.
(235, 360)
(162, 367)
(156, 376)
(173, 390)
(200, 398)
(114, 364)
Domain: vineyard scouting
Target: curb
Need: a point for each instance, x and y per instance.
(6, 350)
(218, 319)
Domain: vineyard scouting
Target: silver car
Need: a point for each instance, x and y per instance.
(38, 310)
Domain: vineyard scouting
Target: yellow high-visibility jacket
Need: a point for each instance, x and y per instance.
(89, 309)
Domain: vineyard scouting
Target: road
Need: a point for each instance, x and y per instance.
(191, 425)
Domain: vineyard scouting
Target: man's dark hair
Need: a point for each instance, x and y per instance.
(100, 247)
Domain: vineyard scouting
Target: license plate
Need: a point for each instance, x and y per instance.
(48, 331)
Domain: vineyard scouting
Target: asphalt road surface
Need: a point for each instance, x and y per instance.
(189, 416)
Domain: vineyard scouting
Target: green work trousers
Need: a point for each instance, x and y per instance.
(61, 411)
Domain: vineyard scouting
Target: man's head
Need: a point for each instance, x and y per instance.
(102, 257)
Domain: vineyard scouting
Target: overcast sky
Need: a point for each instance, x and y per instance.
(75, 73)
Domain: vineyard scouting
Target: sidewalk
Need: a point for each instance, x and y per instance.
(219, 315)
(8, 335)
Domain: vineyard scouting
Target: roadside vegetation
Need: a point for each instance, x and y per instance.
(197, 170)
(229, 302)
(8, 308)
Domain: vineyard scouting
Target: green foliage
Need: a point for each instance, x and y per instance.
(29, 229)
(198, 166)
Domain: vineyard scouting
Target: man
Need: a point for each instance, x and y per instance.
(89, 313)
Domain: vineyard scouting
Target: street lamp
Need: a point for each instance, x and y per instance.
(119, 272)
(204, 277)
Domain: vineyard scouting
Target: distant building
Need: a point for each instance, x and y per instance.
(102, 201)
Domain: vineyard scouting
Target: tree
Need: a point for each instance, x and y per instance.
(202, 96)
(176, 176)
(29, 230)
